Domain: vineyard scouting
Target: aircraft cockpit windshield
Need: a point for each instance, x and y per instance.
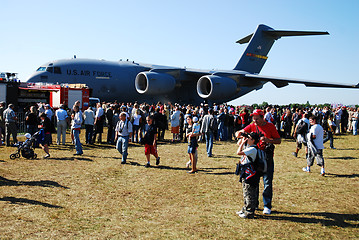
(41, 69)
(56, 70)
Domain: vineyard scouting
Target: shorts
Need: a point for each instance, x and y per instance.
(175, 129)
(191, 149)
(47, 139)
(150, 149)
(299, 145)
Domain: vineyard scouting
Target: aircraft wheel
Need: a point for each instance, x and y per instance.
(12, 156)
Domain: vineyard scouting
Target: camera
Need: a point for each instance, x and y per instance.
(244, 134)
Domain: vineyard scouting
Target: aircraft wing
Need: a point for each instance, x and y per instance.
(282, 82)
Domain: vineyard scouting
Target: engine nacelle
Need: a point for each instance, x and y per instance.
(153, 83)
(216, 87)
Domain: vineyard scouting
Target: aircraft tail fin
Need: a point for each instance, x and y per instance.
(260, 43)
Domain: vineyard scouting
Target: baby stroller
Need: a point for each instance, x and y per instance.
(26, 148)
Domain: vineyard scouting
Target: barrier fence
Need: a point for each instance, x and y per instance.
(21, 126)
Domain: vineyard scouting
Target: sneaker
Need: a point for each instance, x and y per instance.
(77, 153)
(306, 169)
(332, 148)
(245, 215)
(294, 154)
(157, 160)
(148, 165)
(322, 172)
(267, 210)
(123, 162)
(47, 156)
(189, 164)
(240, 212)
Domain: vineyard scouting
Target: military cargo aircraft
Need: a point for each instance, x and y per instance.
(131, 81)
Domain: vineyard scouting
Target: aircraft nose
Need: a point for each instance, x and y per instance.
(38, 77)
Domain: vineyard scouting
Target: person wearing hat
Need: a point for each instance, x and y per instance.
(269, 136)
(250, 177)
(48, 111)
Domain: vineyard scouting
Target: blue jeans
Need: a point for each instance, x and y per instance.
(221, 135)
(89, 133)
(121, 146)
(355, 127)
(329, 137)
(268, 185)
(209, 143)
(78, 145)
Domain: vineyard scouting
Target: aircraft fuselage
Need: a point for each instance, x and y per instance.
(109, 80)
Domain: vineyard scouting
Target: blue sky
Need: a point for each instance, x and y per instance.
(194, 34)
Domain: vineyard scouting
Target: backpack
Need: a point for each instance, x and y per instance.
(302, 128)
(213, 124)
(260, 163)
(238, 120)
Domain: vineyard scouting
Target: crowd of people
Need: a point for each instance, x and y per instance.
(255, 129)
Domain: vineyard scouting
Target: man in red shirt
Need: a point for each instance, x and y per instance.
(269, 136)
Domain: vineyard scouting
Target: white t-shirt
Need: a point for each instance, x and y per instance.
(268, 116)
(250, 151)
(317, 130)
(175, 118)
(136, 119)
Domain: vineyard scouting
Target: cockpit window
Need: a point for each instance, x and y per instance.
(41, 69)
(50, 69)
(57, 70)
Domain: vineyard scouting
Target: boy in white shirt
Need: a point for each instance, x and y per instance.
(249, 176)
(315, 145)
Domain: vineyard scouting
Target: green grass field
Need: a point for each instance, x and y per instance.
(95, 197)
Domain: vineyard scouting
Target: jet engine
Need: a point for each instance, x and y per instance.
(216, 87)
(154, 83)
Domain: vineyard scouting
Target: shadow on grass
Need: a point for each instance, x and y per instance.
(71, 159)
(118, 157)
(345, 149)
(210, 171)
(342, 158)
(172, 168)
(14, 200)
(41, 183)
(342, 175)
(205, 170)
(221, 173)
(328, 219)
(224, 156)
(98, 146)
